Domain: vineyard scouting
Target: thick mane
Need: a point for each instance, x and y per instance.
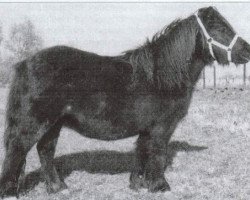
(142, 61)
(166, 30)
(165, 59)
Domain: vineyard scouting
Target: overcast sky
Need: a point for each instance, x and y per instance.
(111, 28)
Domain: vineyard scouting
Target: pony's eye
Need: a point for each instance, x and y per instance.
(209, 16)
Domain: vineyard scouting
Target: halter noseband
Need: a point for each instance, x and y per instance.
(211, 41)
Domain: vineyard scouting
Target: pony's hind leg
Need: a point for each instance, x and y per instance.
(16, 148)
(46, 150)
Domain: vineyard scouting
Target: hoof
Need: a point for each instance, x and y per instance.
(159, 185)
(8, 189)
(137, 181)
(56, 187)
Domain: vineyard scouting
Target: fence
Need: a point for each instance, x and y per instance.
(242, 80)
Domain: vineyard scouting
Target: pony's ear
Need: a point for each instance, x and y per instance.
(210, 11)
(212, 8)
(207, 12)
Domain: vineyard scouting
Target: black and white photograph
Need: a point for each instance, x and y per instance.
(136, 100)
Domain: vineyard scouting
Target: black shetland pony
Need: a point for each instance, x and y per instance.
(145, 92)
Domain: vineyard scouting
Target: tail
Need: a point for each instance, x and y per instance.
(13, 112)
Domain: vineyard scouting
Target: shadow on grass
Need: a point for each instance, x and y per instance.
(110, 162)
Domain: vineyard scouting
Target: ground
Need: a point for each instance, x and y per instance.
(209, 156)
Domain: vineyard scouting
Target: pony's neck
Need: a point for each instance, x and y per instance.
(173, 59)
(195, 71)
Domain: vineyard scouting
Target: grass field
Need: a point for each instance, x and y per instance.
(209, 157)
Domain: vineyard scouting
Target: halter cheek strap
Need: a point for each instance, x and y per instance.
(212, 42)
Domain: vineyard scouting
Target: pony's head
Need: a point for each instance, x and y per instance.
(176, 55)
(225, 45)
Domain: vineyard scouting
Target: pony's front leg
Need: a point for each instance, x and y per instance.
(137, 178)
(156, 164)
(150, 161)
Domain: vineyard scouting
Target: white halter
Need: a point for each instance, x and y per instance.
(211, 41)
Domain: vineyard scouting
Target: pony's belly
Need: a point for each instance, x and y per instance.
(102, 129)
(111, 124)
(105, 117)
(106, 130)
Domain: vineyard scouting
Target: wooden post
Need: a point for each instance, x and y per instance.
(244, 75)
(214, 77)
(204, 78)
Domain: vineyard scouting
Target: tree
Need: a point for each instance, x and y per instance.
(23, 40)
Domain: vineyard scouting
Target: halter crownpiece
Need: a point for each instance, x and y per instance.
(212, 42)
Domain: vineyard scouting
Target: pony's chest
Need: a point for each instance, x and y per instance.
(152, 109)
